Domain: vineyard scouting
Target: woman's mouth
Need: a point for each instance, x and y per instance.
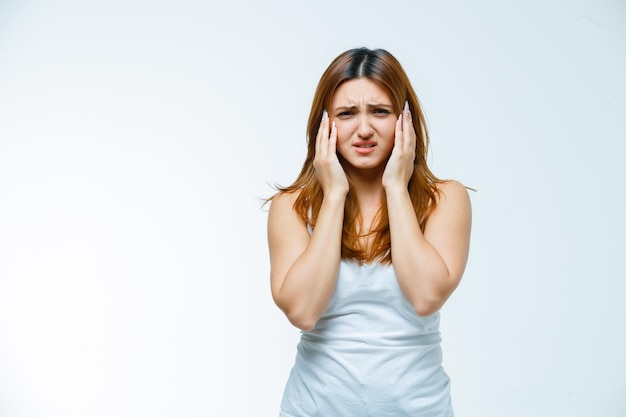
(364, 148)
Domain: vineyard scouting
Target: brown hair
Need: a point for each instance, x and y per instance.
(383, 69)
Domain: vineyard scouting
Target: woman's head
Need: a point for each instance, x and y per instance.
(383, 69)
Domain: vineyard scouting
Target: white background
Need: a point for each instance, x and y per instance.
(137, 139)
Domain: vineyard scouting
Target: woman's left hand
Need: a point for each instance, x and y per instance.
(399, 168)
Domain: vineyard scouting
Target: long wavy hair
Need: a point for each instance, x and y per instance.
(383, 69)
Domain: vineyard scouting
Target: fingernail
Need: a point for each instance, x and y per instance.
(406, 105)
(333, 124)
(400, 118)
(324, 115)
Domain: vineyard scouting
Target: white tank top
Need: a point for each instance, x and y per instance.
(370, 354)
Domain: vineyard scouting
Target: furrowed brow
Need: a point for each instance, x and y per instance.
(370, 105)
(345, 108)
(378, 105)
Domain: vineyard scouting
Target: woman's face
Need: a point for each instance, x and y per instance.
(365, 120)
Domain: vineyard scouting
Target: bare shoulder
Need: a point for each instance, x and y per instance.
(453, 205)
(283, 219)
(452, 192)
(282, 204)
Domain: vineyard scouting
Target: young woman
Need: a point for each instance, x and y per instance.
(365, 247)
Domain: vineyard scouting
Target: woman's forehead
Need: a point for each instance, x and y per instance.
(360, 91)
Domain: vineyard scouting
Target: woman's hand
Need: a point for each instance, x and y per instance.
(399, 168)
(329, 171)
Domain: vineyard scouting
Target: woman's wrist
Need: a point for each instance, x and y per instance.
(338, 195)
(395, 188)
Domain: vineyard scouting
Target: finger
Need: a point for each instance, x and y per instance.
(332, 140)
(322, 134)
(407, 128)
(398, 139)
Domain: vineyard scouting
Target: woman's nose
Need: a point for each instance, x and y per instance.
(365, 129)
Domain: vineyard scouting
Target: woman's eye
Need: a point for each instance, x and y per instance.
(345, 114)
(382, 112)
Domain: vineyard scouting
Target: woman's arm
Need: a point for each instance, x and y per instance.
(428, 265)
(304, 268)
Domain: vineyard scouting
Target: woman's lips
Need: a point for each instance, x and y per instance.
(364, 148)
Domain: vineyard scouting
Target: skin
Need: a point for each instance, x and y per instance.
(377, 148)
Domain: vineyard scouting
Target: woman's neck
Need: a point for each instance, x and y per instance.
(367, 184)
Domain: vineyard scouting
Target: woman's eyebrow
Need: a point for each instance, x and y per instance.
(369, 105)
(389, 106)
(347, 107)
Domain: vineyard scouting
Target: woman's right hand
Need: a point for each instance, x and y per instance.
(329, 171)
